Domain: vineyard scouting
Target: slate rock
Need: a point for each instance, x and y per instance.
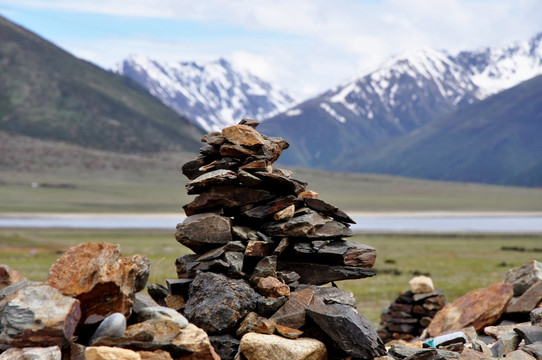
(32, 353)
(478, 308)
(534, 350)
(203, 232)
(351, 331)
(524, 277)
(263, 211)
(258, 248)
(94, 272)
(536, 316)
(8, 276)
(529, 333)
(183, 265)
(225, 197)
(211, 178)
(328, 209)
(219, 312)
(155, 355)
(36, 314)
(112, 326)
(402, 352)
(179, 286)
(331, 295)
(319, 274)
(160, 312)
(268, 306)
(191, 169)
(288, 332)
(272, 347)
(255, 323)
(281, 184)
(505, 344)
(292, 313)
(226, 346)
(338, 252)
(519, 355)
(158, 293)
(526, 301)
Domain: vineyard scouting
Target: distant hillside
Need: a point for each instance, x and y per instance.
(397, 97)
(498, 140)
(47, 93)
(213, 94)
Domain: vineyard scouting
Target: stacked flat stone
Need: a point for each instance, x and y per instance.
(412, 312)
(258, 225)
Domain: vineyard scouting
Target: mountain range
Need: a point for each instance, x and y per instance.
(47, 93)
(213, 94)
(398, 97)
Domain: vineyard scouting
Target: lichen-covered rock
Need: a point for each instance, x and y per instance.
(35, 314)
(8, 276)
(101, 278)
(31, 353)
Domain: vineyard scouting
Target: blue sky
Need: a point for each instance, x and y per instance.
(304, 46)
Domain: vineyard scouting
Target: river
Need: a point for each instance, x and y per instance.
(427, 222)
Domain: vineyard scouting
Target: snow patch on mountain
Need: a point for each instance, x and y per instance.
(213, 94)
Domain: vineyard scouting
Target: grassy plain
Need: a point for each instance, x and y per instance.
(456, 263)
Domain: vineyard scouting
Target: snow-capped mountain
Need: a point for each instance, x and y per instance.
(403, 93)
(212, 94)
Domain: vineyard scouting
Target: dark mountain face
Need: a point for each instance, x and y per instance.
(496, 140)
(47, 93)
(214, 94)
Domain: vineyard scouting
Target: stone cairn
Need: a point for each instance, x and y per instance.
(412, 311)
(263, 244)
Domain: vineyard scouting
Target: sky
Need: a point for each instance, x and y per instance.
(303, 46)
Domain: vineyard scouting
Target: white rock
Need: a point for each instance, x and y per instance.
(421, 285)
(272, 347)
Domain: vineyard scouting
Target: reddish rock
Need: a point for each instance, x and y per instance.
(259, 248)
(254, 323)
(8, 276)
(478, 308)
(272, 287)
(292, 314)
(155, 355)
(35, 314)
(288, 332)
(101, 278)
(243, 135)
(285, 214)
(308, 194)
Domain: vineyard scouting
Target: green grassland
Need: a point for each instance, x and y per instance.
(456, 263)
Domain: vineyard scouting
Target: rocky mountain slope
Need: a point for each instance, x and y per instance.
(47, 93)
(213, 94)
(401, 95)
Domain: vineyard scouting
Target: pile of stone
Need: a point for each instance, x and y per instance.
(263, 244)
(90, 308)
(503, 320)
(412, 311)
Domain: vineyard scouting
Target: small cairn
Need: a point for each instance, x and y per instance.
(407, 316)
(263, 244)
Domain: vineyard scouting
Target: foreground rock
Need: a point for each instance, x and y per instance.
(41, 353)
(271, 347)
(479, 308)
(91, 272)
(34, 314)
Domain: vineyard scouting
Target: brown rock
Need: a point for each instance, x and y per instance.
(263, 211)
(94, 272)
(282, 184)
(292, 314)
(285, 214)
(214, 138)
(519, 355)
(196, 340)
(259, 248)
(308, 194)
(272, 287)
(496, 331)
(236, 151)
(275, 146)
(526, 301)
(249, 122)
(421, 285)
(288, 332)
(175, 302)
(271, 347)
(203, 232)
(35, 314)
(243, 135)
(469, 354)
(478, 308)
(109, 353)
(155, 355)
(524, 277)
(338, 252)
(254, 323)
(8, 276)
